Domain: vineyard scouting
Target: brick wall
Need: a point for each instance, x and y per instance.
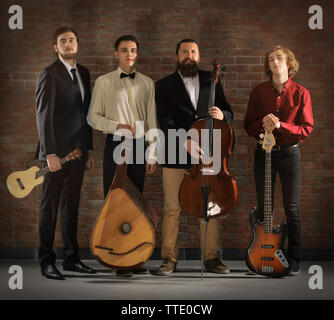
(237, 31)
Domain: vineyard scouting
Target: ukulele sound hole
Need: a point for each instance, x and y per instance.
(125, 227)
(20, 183)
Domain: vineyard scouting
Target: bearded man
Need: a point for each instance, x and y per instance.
(62, 97)
(181, 98)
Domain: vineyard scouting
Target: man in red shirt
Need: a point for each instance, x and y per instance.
(283, 107)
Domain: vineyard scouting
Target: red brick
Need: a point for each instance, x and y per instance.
(239, 32)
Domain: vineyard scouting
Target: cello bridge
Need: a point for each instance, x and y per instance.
(213, 209)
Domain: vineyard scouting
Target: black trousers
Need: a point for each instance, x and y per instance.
(62, 188)
(135, 170)
(287, 165)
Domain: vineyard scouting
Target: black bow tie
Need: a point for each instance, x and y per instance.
(131, 75)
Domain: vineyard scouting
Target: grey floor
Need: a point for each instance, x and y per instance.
(186, 283)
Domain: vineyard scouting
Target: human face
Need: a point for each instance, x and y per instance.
(66, 46)
(127, 55)
(188, 52)
(277, 63)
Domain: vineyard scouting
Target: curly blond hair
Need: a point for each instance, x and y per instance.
(291, 61)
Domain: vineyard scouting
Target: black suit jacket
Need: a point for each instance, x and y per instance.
(61, 113)
(175, 110)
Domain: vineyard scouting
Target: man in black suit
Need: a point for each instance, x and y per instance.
(63, 96)
(181, 98)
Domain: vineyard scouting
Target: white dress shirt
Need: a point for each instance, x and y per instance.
(122, 101)
(69, 68)
(192, 86)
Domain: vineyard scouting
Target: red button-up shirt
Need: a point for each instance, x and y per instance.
(292, 106)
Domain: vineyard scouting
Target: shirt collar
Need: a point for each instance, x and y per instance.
(288, 83)
(68, 66)
(285, 87)
(119, 71)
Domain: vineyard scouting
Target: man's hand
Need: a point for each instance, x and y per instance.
(53, 162)
(216, 113)
(271, 122)
(90, 164)
(126, 130)
(194, 149)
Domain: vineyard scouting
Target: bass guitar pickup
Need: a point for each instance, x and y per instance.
(267, 269)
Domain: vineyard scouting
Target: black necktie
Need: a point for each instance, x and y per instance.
(75, 78)
(76, 82)
(131, 75)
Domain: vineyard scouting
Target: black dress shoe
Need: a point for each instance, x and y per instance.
(77, 267)
(50, 271)
(124, 273)
(140, 271)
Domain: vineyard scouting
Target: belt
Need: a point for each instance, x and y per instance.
(277, 147)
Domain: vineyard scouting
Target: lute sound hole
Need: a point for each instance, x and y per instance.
(125, 227)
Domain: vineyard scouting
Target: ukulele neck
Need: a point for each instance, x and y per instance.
(45, 170)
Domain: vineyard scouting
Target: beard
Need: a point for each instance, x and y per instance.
(68, 55)
(188, 68)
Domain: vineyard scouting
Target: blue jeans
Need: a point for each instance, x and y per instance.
(287, 164)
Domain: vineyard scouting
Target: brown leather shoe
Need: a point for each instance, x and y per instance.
(216, 266)
(167, 267)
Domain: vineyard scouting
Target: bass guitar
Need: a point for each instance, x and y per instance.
(21, 183)
(265, 254)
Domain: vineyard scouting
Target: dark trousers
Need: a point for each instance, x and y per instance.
(287, 165)
(135, 171)
(62, 188)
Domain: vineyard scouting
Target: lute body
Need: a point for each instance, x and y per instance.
(123, 236)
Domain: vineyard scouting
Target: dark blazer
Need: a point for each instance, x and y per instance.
(175, 110)
(61, 114)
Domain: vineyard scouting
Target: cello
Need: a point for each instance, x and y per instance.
(207, 192)
(204, 192)
(123, 236)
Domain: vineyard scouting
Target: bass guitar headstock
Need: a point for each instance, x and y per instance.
(268, 141)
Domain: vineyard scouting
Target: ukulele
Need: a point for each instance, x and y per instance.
(265, 253)
(21, 183)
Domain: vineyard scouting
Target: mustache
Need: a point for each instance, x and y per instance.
(185, 60)
(188, 67)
